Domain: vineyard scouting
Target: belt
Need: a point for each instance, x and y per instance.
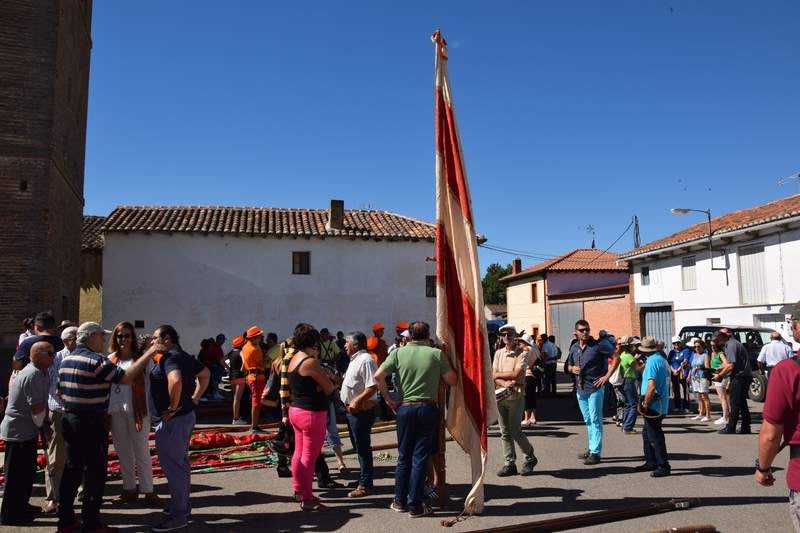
(794, 451)
(420, 402)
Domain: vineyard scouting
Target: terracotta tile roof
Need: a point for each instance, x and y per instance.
(578, 260)
(91, 238)
(266, 221)
(753, 216)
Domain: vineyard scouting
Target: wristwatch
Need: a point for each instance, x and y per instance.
(767, 470)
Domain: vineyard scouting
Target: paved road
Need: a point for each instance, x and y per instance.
(715, 468)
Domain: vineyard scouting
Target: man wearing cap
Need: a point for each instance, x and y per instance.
(508, 370)
(679, 359)
(56, 452)
(25, 414)
(653, 408)
(382, 350)
(773, 352)
(236, 379)
(588, 361)
(782, 421)
(84, 380)
(254, 371)
(738, 367)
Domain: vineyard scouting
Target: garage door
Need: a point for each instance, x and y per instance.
(563, 318)
(658, 323)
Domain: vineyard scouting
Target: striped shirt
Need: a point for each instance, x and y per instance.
(85, 379)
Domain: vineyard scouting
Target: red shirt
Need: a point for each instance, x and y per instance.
(782, 407)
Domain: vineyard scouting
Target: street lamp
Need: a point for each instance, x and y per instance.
(686, 210)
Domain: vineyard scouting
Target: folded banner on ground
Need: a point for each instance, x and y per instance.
(460, 320)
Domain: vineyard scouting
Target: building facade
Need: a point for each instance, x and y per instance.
(742, 278)
(44, 67)
(583, 283)
(220, 270)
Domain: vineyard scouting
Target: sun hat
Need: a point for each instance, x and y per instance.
(238, 342)
(676, 338)
(648, 345)
(508, 328)
(377, 326)
(625, 340)
(401, 325)
(253, 331)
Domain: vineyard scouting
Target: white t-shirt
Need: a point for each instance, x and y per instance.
(121, 400)
(360, 375)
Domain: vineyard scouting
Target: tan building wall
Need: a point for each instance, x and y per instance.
(91, 297)
(523, 313)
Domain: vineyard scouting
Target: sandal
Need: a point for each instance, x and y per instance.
(312, 505)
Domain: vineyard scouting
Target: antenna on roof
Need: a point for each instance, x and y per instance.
(589, 228)
(788, 179)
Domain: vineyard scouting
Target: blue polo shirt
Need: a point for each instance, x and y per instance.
(676, 357)
(593, 360)
(657, 369)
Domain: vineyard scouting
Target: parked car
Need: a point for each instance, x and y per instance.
(492, 329)
(753, 339)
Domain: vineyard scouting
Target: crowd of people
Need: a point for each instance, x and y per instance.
(70, 388)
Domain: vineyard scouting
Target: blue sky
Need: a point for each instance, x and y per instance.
(571, 113)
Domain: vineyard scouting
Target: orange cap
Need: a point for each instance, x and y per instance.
(377, 326)
(401, 326)
(372, 343)
(253, 331)
(238, 342)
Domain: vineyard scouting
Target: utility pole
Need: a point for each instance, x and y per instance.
(636, 241)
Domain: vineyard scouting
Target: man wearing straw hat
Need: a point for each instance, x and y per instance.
(508, 369)
(654, 406)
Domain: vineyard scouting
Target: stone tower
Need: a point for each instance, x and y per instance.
(44, 86)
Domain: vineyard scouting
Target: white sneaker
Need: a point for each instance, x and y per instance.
(705, 419)
(719, 421)
(698, 417)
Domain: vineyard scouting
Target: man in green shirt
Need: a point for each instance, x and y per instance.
(629, 365)
(419, 367)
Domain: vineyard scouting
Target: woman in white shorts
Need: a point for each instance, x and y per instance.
(701, 363)
(718, 359)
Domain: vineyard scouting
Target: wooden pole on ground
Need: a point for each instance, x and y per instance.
(439, 461)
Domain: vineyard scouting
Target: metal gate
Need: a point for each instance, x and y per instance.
(563, 318)
(658, 323)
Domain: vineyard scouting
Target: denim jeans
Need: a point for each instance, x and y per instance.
(510, 420)
(332, 430)
(592, 410)
(655, 445)
(360, 426)
(631, 399)
(86, 444)
(416, 434)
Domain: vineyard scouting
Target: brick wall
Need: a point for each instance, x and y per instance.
(612, 314)
(44, 64)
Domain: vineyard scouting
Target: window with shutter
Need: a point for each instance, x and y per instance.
(689, 273)
(752, 277)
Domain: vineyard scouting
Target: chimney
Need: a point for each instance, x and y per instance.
(335, 215)
(516, 266)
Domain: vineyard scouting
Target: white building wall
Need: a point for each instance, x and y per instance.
(205, 285)
(718, 293)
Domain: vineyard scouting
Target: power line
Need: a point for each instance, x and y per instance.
(516, 253)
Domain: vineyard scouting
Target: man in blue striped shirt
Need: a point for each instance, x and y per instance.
(85, 378)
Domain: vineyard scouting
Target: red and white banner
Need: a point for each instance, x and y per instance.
(460, 320)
